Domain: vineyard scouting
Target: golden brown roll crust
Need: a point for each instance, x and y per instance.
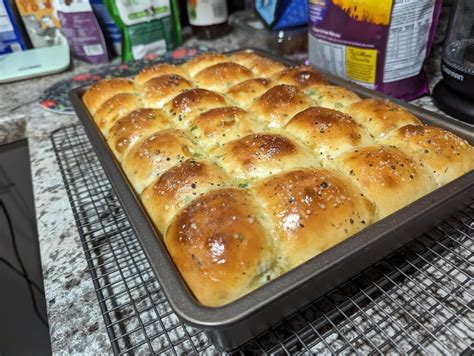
(197, 64)
(332, 96)
(191, 103)
(115, 108)
(215, 127)
(301, 77)
(380, 117)
(386, 175)
(260, 155)
(158, 70)
(105, 89)
(446, 155)
(136, 125)
(279, 104)
(159, 90)
(245, 58)
(220, 246)
(179, 186)
(265, 67)
(327, 132)
(312, 210)
(222, 76)
(245, 93)
(148, 158)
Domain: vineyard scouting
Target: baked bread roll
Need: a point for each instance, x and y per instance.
(245, 93)
(274, 168)
(136, 125)
(332, 96)
(115, 108)
(197, 64)
(158, 70)
(300, 77)
(150, 157)
(221, 246)
(159, 90)
(386, 176)
(312, 210)
(215, 127)
(191, 103)
(222, 76)
(103, 90)
(178, 186)
(380, 117)
(446, 155)
(261, 155)
(327, 132)
(279, 104)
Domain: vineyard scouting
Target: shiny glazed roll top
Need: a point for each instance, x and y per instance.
(261, 155)
(215, 127)
(135, 126)
(222, 76)
(191, 103)
(115, 108)
(332, 96)
(179, 186)
(300, 77)
(154, 155)
(386, 175)
(159, 90)
(220, 246)
(103, 90)
(380, 117)
(312, 210)
(279, 104)
(245, 93)
(159, 70)
(446, 155)
(327, 132)
(195, 65)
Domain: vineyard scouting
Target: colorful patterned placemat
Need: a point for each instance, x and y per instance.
(56, 98)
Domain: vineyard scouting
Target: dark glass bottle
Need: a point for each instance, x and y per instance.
(208, 18)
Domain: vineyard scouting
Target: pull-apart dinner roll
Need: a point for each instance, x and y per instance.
(380, 117)
(261, 155)
(197, 64)
(446, 155)
(327, 132)
(159, 90)
(215, 127)
(191, 103)
(179, 186)
(386, 175)
(245, 93)
(312, 210)
(265, 67)
(332, 96)
(158, 70)
(222, 76)
(115, 108)
(301, 77)
(103, 90)
(245, 58)
(220, 246)
(136, 125)
(279, 104)
(150, 157)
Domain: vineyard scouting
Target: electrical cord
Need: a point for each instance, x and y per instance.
(24, 273)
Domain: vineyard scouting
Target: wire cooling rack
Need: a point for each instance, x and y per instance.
(419, 299)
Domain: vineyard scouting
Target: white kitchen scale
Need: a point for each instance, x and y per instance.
(34, 63)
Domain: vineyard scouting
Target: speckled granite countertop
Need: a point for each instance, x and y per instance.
(75, 320)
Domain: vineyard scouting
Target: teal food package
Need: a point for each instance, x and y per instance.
(148, 26)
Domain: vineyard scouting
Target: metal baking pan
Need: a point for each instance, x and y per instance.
(233, 324)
